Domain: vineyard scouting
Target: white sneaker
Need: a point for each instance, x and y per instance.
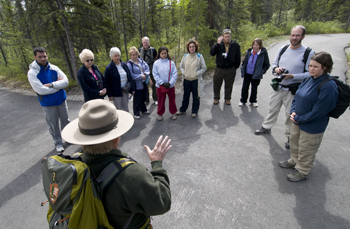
(160, 118)
(240, 104)
(173, 116)
(255, 104)
(156, 103)
(59, 148)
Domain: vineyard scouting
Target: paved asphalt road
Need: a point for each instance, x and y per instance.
(222, 175)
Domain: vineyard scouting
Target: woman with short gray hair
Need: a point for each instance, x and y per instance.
(118, 80)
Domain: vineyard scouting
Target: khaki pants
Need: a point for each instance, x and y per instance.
(303, 149)
(221, 74)
(277, 98)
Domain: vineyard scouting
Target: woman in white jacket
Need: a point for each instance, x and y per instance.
(165, 74)
(192, 67)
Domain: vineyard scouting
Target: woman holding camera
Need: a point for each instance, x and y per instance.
(315, 98)
(118, 81)
(139, 71)
(90, 78)
(255, 64)
(165, 75)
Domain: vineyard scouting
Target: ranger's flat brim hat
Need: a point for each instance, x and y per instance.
(98, 122)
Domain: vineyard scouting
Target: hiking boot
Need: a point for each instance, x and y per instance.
(286, 165)
(173, 116)
(296, 176)
(262, 130)
(194, 115)
(287, 146)
(216, 102)
(180, 113)
(228, 102)
(59, 148)
(255, 104)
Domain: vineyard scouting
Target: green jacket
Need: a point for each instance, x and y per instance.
(134, 191)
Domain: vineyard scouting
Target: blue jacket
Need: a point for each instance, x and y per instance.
(112, 78)
(311, 107)
(88, 83)
(261, 66)
(136, 72)
(39, 75)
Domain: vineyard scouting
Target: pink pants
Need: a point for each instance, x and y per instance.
(161, 101)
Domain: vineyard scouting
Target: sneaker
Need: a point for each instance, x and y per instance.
(286, 165)
(160, 118)
(136, 116)
(180, 113)
(216, 102)
(262, 130)
(228, 102)
(255, 104)
(194, 115)
(240, 104)
(59, 148)
(296, 176)
(287, 146)
(146, 112)
(156, 103)
(173, 116)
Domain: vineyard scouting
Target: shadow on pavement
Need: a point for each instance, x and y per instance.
(310, 195)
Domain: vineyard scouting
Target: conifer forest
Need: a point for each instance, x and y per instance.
(66, 27)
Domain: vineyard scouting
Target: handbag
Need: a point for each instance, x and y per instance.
(161, 87)
(126, 88)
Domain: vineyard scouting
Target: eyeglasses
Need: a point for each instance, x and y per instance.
(89, 60)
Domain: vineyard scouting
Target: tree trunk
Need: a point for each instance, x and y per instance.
(211, 19)
(70, 42)
(126, 50)
(347, 24)
(3, 55)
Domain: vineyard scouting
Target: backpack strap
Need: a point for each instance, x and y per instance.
(322, 83)
(306, 56)
(112, 171)
(281, 53)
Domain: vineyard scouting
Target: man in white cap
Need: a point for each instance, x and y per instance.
(135, 194)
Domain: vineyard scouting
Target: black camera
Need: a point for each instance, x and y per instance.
(280, 77)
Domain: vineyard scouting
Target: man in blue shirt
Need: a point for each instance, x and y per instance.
(48, 81)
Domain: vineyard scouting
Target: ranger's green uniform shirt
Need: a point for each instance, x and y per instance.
(134, 191)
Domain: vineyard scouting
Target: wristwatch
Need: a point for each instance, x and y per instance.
(51, 85)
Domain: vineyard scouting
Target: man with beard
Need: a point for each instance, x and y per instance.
(228, 59)
(293, 58)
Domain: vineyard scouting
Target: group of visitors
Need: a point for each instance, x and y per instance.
(306, 107)
(146, 67)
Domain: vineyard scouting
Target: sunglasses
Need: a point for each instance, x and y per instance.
(89, 60)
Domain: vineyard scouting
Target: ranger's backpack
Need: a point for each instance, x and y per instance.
(74, 194)
(343, 96)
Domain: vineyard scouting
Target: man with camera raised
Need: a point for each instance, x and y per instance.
(228, 59)
(290, 68)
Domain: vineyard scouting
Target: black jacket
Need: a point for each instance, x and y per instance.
(233, 57)
(261, 66)
(88, 83)
(113, 80)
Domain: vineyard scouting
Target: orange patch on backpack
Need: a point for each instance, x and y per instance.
(53, 192)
